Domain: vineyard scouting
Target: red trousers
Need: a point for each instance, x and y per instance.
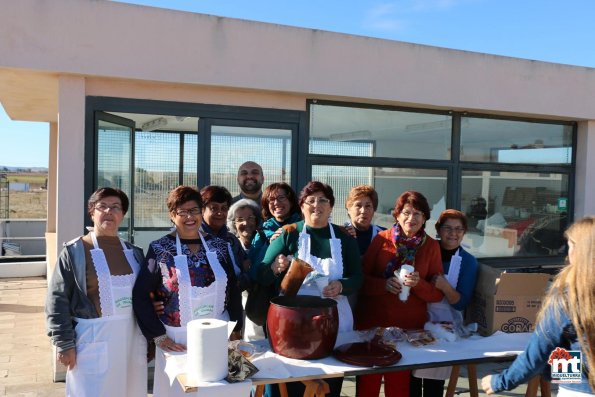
(396, 384)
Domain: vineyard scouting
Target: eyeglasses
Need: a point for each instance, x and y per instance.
(249, 219)
(189, 212)
(280, 198)
(218, 209)
(105, 208)
(449, 229)
(415, 214)
(319, 200)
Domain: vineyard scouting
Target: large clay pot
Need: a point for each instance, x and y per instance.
(303, 327)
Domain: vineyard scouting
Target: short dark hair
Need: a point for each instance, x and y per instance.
(266, 198)
(182, 194)
(104, 192)
(314, 187)
(362, 191)
(451, 214)
(217, 194)
(413, 198)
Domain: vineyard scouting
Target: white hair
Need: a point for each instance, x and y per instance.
(238, 205)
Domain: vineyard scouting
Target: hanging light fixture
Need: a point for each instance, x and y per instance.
(154, 124)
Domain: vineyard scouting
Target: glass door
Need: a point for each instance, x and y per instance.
(115, 146)
(163, 161)
(148, 154)
(267, 144)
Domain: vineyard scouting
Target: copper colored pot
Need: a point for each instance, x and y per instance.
(303, 327)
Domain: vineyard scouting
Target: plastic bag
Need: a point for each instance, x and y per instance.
(238, 365)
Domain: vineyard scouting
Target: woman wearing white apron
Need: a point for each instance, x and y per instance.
(331, 251)
(194, 280)
(89, 307)
(457, 285)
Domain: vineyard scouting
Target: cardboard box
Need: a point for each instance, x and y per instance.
(507, 302)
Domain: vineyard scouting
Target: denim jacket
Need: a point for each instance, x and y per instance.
(67, 294)
(555, 330)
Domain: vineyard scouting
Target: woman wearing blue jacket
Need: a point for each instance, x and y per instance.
(457, 284)
(566, 324)
(279, 207)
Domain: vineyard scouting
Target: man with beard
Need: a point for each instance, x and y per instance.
(250, 180)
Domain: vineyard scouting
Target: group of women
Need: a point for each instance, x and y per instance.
(217, 250)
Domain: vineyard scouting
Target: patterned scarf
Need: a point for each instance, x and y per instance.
(405, 248)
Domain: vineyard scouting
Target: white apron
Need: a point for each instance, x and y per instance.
(442, 311)
(111, 352)
(195, 303)
(331, 267)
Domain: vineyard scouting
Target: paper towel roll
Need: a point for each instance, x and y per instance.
(207, 350)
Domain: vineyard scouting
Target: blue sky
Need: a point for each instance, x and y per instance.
(546, 30)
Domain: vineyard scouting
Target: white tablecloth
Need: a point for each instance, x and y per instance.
(441, 353)
(274, 366)
(176, 365)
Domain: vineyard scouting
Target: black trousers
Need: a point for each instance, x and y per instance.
(295, 389)
(419, 387)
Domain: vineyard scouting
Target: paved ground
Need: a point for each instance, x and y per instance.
(25, 351)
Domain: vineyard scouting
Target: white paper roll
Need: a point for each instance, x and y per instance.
(207, 350)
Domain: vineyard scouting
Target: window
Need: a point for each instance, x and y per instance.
(232, 146)
(386, 133)
(190, 177)
(507, 141)
(511, 177)
(113, 159)
(515, 213)
(148, 147)
(157, 172)
(389, 183)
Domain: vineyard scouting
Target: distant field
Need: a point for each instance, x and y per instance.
(35, 179)
(28, 205)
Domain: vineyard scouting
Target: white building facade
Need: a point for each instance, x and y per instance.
(146, 99)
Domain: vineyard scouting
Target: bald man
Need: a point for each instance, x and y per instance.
(250, 180)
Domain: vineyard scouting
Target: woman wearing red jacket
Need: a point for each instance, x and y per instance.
(378, 302)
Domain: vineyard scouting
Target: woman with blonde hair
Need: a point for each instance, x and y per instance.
(566, 321)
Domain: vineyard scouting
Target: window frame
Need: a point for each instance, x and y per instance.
(302, 161)
(207, 115)
(455, 167)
